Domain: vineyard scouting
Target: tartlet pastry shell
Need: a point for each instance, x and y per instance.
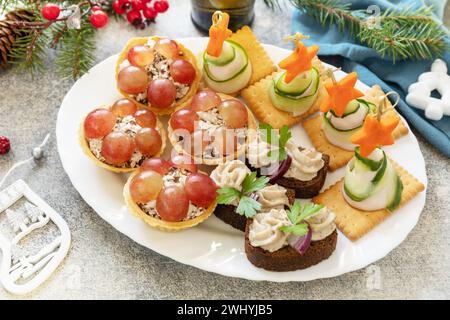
(188, 55)
(85, 147)
(159, 223)
(251, 126)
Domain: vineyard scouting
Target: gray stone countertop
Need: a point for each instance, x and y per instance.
(104, 264)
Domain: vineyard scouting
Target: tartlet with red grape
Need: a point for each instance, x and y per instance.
(170, 195)
(157, 73)
(213, 129)
(119, 137)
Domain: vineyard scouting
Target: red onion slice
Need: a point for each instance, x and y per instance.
(300, 244)
(281, 170)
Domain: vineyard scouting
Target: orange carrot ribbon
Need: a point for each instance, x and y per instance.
(218, 33)
(299, 60)
(375, 133)
(340, 94)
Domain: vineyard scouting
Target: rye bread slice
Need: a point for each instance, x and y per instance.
(227, 213)
(287, 259)
(304, 189)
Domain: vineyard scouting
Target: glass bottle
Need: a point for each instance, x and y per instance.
(241, 12)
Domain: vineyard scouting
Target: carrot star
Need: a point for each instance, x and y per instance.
(300, 59)
(218, 33)
(340, 94)
(375, 133)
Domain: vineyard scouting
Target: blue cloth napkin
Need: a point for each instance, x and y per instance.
(372, 69)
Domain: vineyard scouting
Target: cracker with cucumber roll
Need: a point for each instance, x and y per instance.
(287, 97)
(343, 114)
(374, 186)
(231, 62)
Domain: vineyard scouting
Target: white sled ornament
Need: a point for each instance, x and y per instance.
(20, 274)
(419, 95)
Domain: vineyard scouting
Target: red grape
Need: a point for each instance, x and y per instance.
(132, 80)
(184, 119)
(182, 71)
(161, 93)
(145, 186)
(145, 118)
(234, 113)
(172, 204)
(148, 141)
(124, 107)
(205, 100)
(184, 162)
(200, 189)
(140, 56)
(168, 48)
(117, 148)
(99, 123)
(156, 164)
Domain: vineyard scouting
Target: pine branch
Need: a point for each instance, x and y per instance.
(28, 51)
(76, 53)
(400, 34)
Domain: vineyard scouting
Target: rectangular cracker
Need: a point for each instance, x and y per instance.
(258, 100)
(355, 223)
(339, 157)
(262, 65)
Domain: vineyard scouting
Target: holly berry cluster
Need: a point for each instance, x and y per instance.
(140, 13)
(98, 18)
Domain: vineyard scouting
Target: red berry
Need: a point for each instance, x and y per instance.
(96, 8)
(123, 2)
(50, 11)
(118, 7)
(161, 6)
(5, 145)
(134, 17)
(150, 13)
(137, 5)
(99, 19)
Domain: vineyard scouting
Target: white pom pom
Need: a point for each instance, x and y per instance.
(434, 111)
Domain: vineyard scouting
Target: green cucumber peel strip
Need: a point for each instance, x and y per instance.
(397, 197)
(208, 73)
(372, 164)
(338, 130)
(217, 61)
(298, 95)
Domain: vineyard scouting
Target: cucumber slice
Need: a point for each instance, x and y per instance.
(234, 85)
(309, 91)
(295, 104)
(352, 107)
(297, 86)
(328, 122)
(356, 185)
(372, 164)
(225, 68)
(397, 197)
(228, 54)
(299, 106)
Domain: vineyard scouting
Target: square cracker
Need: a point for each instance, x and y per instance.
(258, 99)
(339, 157)
(355, 223)
(262, 65)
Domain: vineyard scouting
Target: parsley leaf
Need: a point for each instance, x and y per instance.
(297, 215)
(308, 210)
(294, 212)
(227, 195)
(248, 206)
(251, 183)
(277, 141)
(297, 229)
